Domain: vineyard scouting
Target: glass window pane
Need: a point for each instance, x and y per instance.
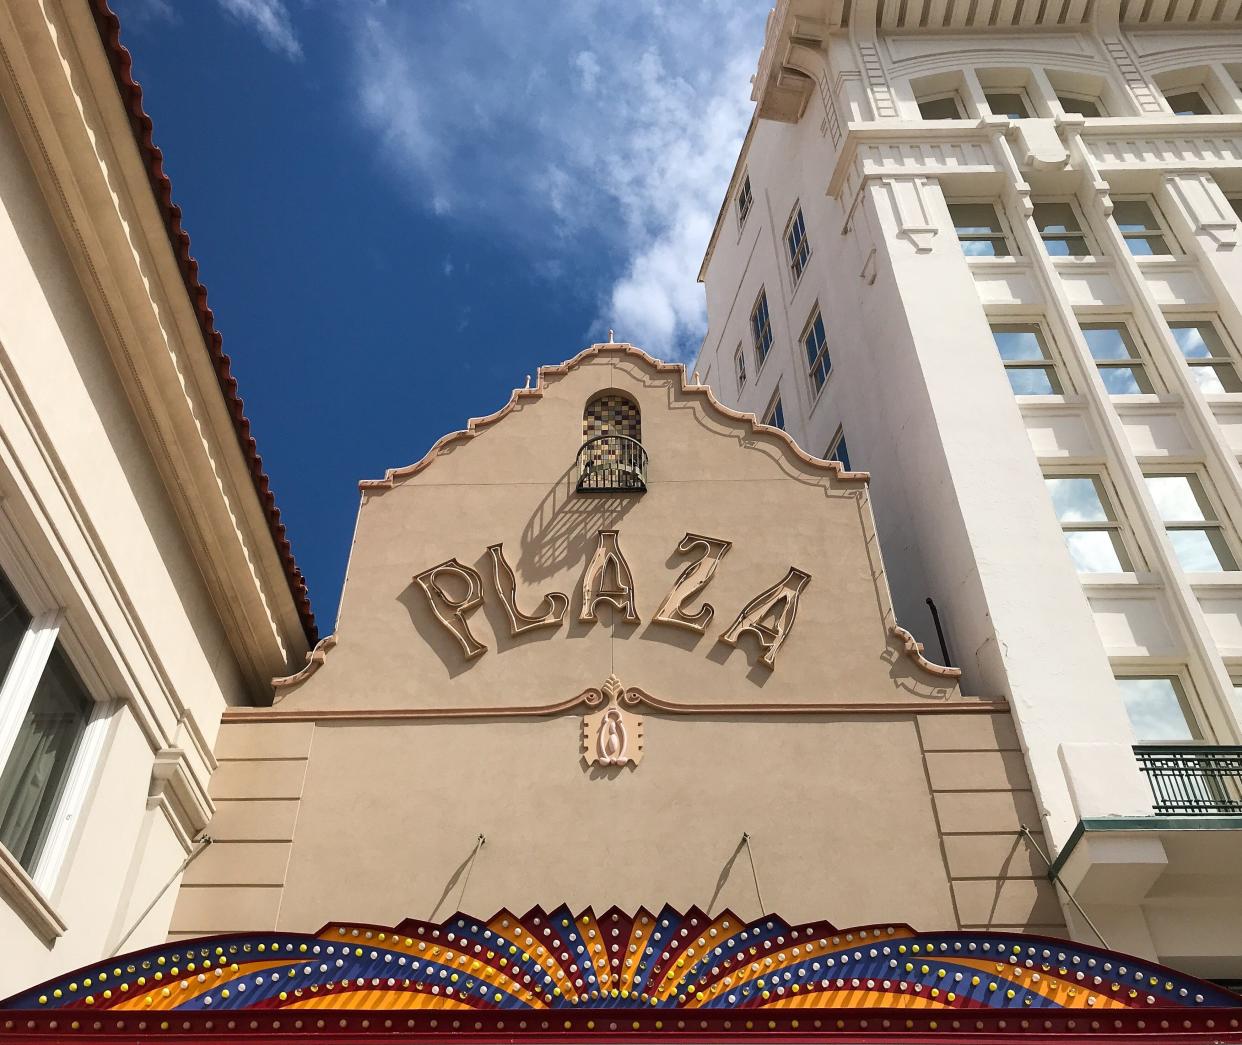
(1147, 246)
(1094, 551)
(1188, 103)
(974, 217)
(1055, 217)
(1007, 103)
(985, 248)
(14, 620)
(1198, 552)
(1081, 106)
(945, 108)
(1155, 710)
(1076, 498)
(1177, 499)
(1192, 340)
(1215, 377)
(1124, 380)
(1108, 342)
(1032, 381)
(34, 776)
(1018, 343)
(1133, 216)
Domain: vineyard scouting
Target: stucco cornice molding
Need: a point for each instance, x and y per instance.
(475, 425)
(633, 697)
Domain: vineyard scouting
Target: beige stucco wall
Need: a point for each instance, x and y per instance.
(359, 795)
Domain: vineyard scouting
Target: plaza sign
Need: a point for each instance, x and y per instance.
(607, 579)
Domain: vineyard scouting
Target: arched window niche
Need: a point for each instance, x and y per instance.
(612, 458)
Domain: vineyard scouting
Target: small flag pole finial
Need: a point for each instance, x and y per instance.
(610, 340)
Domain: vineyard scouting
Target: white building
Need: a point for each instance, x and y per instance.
(993, 248)
(145, 584)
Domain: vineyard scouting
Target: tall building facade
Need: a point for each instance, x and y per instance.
(989, 253)
(145, 580)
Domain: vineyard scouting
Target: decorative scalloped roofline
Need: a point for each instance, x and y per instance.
(477, 424)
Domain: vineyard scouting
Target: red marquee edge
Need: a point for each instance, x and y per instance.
(647, 976)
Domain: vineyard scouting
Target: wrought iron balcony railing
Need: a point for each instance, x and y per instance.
(612, 464)
(1195, 780)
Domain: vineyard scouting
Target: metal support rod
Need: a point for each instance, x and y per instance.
(754, 873)
(198, 850)
(1056, 880)
(944, 647)
(469, 867)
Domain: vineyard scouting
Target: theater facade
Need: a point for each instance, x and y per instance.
(617, 736)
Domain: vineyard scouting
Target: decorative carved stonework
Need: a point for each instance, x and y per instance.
(554, 603)
(452, 612)
(691, 581)
(770, 615)
(612, 736)
(608, 579)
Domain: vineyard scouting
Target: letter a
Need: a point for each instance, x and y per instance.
(770, 615)
(607, 579)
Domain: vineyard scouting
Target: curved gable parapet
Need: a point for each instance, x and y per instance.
(914, 650)
(476, 425)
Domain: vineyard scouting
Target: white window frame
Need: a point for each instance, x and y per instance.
(744, 192)
(1020, 92)
(1161, 228)
(1004, 233)
(937, 96)
(768, 413)
(1186, 696)
(1214, 518)
(811, 368)
(797, 269)
(761, 356)
(1051, 360)
(1229, 359)
(32, 890)
(739, 366)
(1193, 87)
(1084, 229)
(1079, 96)
(1113, 524)
(1140, 361)
(837, 439)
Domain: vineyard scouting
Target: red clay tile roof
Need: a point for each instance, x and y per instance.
(131, 96)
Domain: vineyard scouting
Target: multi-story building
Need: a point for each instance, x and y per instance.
(989, 253)
(145, 581)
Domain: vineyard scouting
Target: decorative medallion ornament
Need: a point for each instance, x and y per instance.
(612, 736)
(561, 976)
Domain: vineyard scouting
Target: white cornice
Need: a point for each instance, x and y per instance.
(66, 107)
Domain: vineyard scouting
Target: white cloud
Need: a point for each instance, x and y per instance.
(270, 19)
(621, 150)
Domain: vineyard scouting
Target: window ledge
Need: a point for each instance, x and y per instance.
(1056, 402)
(1008, 261)
(1085, 261)
(1225, 579)
(1136, 402)
(20, 890)
(1129, 581)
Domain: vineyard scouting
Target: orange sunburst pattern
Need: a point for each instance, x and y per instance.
(666, 960)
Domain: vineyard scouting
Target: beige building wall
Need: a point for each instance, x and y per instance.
(870, 788)
(129, 525)
(919, 390)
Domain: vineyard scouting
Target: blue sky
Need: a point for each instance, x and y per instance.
(401, 209)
